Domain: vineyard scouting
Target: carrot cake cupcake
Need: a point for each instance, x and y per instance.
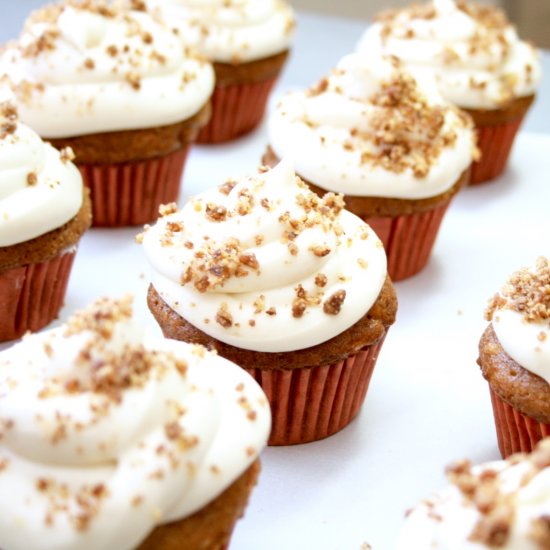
(248, 41)
(514, 356)
(44, 210)
(284, 283)
(112, 439)
(117, 87)
(478, 61)
(397, 151)
(502, 504)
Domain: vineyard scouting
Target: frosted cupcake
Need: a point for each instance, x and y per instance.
(118, 88)
(479, 63)
(44, 211)
(514, 356)
(288, 285)
(248, 42)
(396, 150)
(115, 440)
(503, 504)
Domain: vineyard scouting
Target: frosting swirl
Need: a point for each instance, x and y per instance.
(237, 31)
(371, 129)
(103, 69)
(478, 60)
(262, 263)
(501, 504)
(520, 315)
(106, 434)
(40, 189)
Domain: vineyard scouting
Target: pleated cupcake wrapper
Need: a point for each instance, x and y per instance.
(236, 110)
(31, 296)
(515, 431)
(495, 144)
(312, 403)
(408, 240)
(130, 193)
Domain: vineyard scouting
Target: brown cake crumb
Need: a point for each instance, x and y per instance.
(167, 209)
(526, 292)
(321, 280)
(215, 212)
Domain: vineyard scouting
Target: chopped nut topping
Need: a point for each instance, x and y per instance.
(31, 179)
(526, 292)
(223, 317)
(66, 154)
(167, 209)
(333, 304)
(216, 213)
(321, 280)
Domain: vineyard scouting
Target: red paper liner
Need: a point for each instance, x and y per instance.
(236, 110)
(408, 240)
(495, 144)
(130, 193)
(32, 295)
(515, 431)
(312, 403)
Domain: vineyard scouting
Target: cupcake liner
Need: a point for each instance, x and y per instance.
(515, 431)
(309, 404)
(408, 240)
(130, 193)
(495, 144)
(32, 295)
(236, 110)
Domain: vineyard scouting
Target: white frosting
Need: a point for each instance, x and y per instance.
(39, 192)
(355, 263)
(160, 449)
(446, 520)
(104, 73)
(527, 342)
(481, 78)
(234, 31)
(327, 133)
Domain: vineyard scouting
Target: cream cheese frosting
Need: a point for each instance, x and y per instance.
(106, 433)
(84, 67)
(503, 504)
(262, 263)
(476, 55)
(520, 316)
(40, 188)
(371, 129)
(234, 31)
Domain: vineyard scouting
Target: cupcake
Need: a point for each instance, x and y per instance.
(118, 88)
(514, 356)
(502, 504)
(248, 41)
(44, 210)
(396, 150)
(111, 439)
(288, 285)
(479, 63)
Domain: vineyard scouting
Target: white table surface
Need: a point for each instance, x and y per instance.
(427, 404)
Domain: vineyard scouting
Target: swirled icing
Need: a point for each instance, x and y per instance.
(501, 504)
(40, 188)
(80, 69)
(106, 433)
(262, 263)
(475, 53)
(371, 129)
(520, 315)
(231, 32)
